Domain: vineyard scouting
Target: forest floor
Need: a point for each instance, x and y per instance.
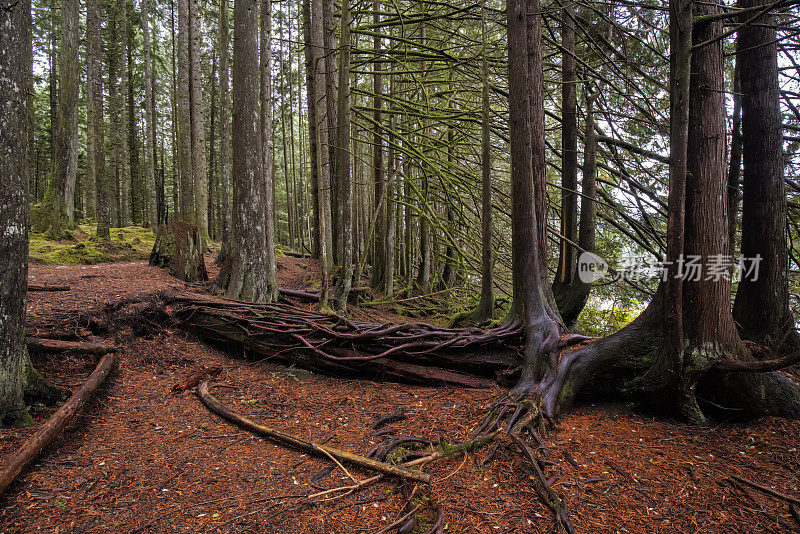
(142, 459)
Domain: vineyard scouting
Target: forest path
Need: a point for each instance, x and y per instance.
(141, 458)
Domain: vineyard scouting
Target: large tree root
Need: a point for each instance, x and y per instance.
(36, 443)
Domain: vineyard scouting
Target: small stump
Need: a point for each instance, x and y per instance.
(179, 249)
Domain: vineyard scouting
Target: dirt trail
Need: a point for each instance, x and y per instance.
(143, 459)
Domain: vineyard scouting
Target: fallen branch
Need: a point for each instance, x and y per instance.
(795, 513)
(36, 443)
(770, 491)
(43, 287)
(306, 446)
(57, 345)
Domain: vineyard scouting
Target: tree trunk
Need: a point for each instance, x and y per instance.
(150, 136)
(486, 304)
(265, 62)
(114, 102)
(66, 155)
(761, 307)
(246, 278)
(18, 379)
(224, 130)
(379, 176)
(343, 177)
(309, 49)
(198, 132)
(735, 167)
(95, 124)
(123, 156)
(187, 208)
(567, 259)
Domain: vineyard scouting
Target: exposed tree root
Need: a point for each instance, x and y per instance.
(312, 448)
(36, 443)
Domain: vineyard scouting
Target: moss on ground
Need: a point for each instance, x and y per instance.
(132, 243)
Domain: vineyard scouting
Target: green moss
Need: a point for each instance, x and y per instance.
(133, 243)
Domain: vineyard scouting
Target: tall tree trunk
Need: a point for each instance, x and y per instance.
(66, 157)
(735, 166)
(187, 208)
(568, 257)
(311, 55)
(325, 220)
(115, 105)
(224, 128)
(95, 151)
(761, 307)
(123, 157)
(486, 304)
(265, 61)
(198, 132)
(212, 151)
(150, 136)
(343, 177)
(532, 295)
(379, 176)
(328, 62)
(247, 278)
(15, 73)
(538, 162)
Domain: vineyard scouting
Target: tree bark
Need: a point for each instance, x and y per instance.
(95, 134)
(66, 154)
(123, 156)
(265, 62)
(343, 176)
(246, 278)
(224, 129)
(187, 207)
(761, 307)
(198, 132)
(568, 257)
(150, 136)
(15, 72)
(378, 175)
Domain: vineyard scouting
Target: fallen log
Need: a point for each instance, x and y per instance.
(31, 449)
(57, 345)
(42, 287)
(323, 451)
(408, 352)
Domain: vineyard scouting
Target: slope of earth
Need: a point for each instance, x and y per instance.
(142, 459)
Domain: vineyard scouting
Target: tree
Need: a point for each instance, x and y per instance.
(150, 134)
(761, 307)
(268, 206)
(198, 135)
(18, 380)
(343, 177)
(224, 128)
(185, 158)
(247, 274)
(66, 148)
(95, 123)
(124, 147)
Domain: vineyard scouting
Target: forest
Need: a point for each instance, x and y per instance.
(413, 266)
